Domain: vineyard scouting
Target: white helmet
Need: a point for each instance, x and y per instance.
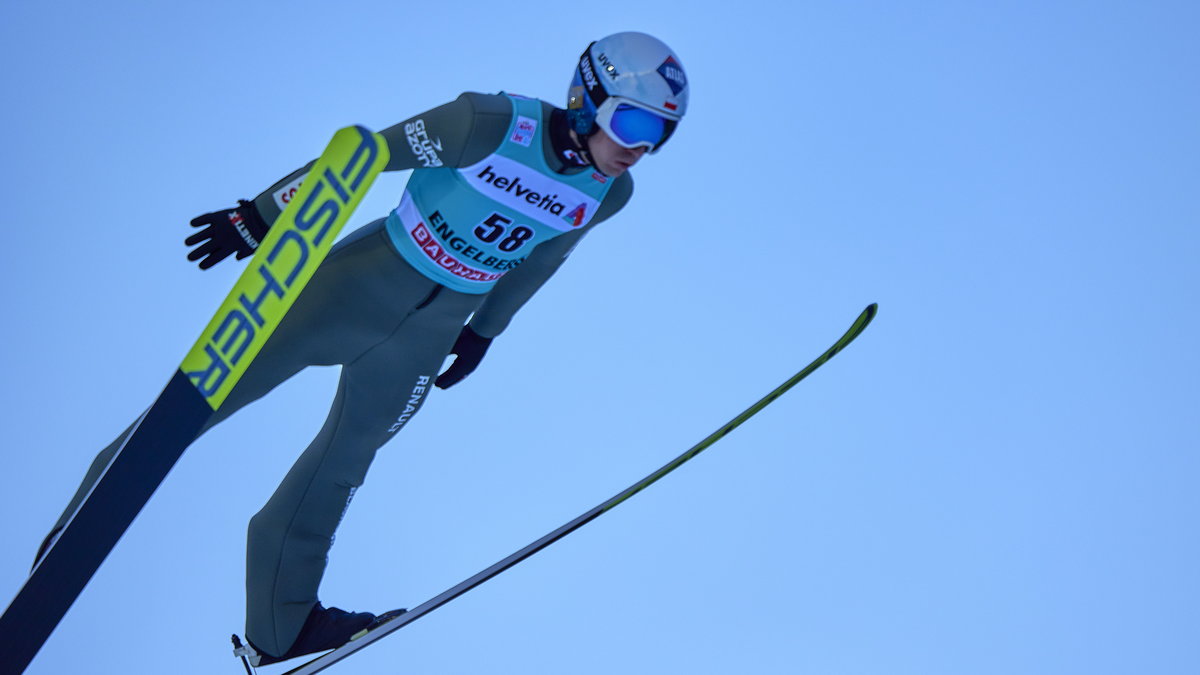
(632, 86)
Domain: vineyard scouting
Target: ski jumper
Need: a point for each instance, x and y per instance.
(489, 214)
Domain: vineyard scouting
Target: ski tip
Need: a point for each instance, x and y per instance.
(871, 309)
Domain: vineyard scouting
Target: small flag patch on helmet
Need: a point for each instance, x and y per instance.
(673, 74)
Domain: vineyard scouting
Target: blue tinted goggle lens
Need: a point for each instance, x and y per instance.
(636, 125)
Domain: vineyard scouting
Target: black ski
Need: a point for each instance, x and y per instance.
(285, 261)
(329, 658)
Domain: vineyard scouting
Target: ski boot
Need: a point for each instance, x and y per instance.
(324, 629)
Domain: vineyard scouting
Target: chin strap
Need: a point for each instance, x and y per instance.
(568, 146)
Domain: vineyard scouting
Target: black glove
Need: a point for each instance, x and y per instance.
(237, 230)
(468, 351)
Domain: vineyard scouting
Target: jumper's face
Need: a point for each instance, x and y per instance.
(610, 158)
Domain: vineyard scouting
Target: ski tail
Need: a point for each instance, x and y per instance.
(328, 659)
(285, 261)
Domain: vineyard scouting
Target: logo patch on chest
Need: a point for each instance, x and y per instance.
(553, 203)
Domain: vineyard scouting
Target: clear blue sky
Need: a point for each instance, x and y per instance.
(999, 477)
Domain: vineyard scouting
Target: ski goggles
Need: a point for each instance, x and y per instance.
(631, 125)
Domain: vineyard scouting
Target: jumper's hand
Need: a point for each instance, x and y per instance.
(238, 230)
(468, 351)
